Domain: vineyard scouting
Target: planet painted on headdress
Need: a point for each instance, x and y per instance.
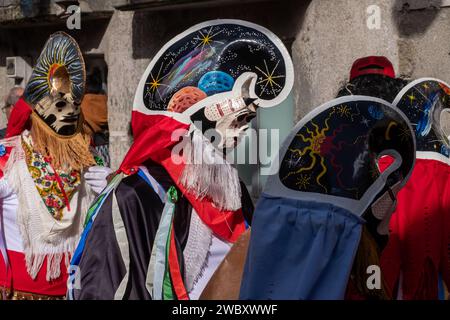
(375, 112)
(215, 82)
(185, 98)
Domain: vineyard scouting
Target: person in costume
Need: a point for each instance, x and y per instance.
(417, 253)
(170, 215)
(372, 76)
(48, 176)
(308, 223)
(94, 108)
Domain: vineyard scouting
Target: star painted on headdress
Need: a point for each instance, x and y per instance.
(156, 82)
(208, 38)
(269, 77)
(412, 98)
(293, 161)
(303, 181)
(344, 111)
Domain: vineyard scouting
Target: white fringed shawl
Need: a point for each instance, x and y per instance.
(42, 235)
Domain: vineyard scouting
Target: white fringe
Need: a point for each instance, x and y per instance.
(42, 235)
(196, 251)
(208, 174)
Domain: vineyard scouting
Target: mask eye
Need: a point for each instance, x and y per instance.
(250, 117)
(60, 104)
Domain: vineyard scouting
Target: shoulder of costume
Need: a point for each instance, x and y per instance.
(7, 145)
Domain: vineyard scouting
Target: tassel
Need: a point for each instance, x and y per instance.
(66, 152)
(208, 175)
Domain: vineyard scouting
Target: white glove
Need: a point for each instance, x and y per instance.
(5, 189)
(96, 177)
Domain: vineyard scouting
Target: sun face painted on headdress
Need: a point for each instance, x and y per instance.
(424, 101)
(56, 87)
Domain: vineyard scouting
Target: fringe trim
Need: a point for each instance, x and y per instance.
(208, 175)
(196, 252)
(44, 237)
(65, 151)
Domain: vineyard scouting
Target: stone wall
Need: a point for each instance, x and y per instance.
(335, 33)
(325, 37)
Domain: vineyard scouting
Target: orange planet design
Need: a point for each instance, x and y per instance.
(185, 98)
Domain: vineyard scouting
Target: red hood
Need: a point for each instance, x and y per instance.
(19, 118)
(153, 141)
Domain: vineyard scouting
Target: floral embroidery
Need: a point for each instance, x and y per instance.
(55, 188)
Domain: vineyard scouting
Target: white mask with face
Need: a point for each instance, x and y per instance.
(56, 87)
(60, 113)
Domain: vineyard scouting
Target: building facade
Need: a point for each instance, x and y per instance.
(324, 37)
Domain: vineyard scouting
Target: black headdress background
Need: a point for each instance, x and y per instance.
(335, 153)
(211, 59)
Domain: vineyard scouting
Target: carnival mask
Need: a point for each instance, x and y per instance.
(333, 155)
(56, 87)
(227, 120)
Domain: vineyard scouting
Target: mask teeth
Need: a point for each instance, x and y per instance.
(224, 108)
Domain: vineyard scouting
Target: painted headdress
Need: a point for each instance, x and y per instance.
(51, 103)
(55, 88)
(215, 69)
(213, 75)
(423, 101)
(59, 68)
(332, 153)
(310, 213)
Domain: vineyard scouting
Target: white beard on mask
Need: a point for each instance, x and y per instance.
(208, 175)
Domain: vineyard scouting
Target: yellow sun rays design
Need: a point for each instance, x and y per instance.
(315, 140)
